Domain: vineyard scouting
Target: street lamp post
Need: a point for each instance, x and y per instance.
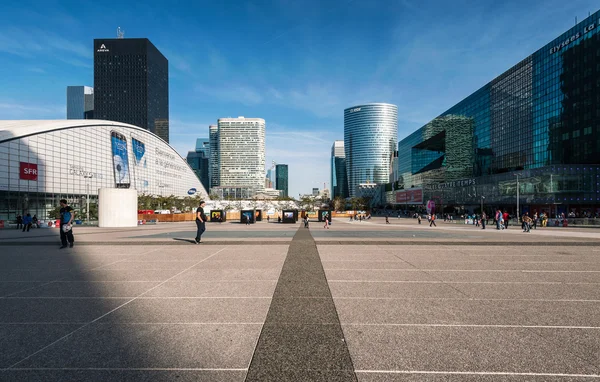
(482, 197)
(517, 175)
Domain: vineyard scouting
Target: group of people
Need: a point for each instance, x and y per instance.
(27, 222)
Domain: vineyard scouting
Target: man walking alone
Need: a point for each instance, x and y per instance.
(200, 222)
(66, 228)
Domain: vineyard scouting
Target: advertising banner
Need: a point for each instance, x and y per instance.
(29, 171)
(410, 196)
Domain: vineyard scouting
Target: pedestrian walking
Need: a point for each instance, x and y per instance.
(34, 220)
(505, 218)
(387, 220)
(200, 222)
(19, 221)
(483, 220)
(67, 214)
(432, 220)
(27, 220)
(419, 218)
(326, 222)
(535, 220)
(267, 218)
(306, 221)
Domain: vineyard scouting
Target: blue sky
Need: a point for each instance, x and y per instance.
(297, 64)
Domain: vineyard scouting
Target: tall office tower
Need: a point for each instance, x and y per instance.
(242, 153)
(80, 100)
(213, 137)
(281, 179)
(339, 180)
(315, 191)
(370, 138)
(268, 181)
(199, 161)
(131, 84)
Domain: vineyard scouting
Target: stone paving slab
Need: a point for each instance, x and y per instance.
(34, 310)
(459, 349)
(89, 289)
(214, 289)
(192, 310)
(468, 312)
(110, 345)
(17, 341)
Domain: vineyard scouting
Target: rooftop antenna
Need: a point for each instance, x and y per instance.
(120, 33)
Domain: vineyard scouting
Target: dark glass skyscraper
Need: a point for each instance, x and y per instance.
(539, 122)
(131, 84)
(281, 179)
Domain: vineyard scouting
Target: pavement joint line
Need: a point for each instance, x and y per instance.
(124, 323)
(476, 326)
(132, 297)
(463, 299)
(492, 373)
(455, 270)
(126, 369)
(462, 282)
(109, 312)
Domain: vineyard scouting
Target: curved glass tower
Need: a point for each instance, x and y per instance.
(370, 138)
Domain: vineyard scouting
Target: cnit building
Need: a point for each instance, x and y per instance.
(536, 125)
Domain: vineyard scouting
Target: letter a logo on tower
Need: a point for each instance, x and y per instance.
(102, 49)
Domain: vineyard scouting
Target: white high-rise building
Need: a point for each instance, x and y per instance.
(242, 153)
(80, 99)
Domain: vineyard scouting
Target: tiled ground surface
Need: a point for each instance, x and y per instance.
(364, 301)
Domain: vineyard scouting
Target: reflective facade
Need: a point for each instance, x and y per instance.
(339, 180)
(45, 161)
(131, 84)
(281, 179)
(213, 138)
(199, 161)
(370, 136)
(539, 120)
(80, 100)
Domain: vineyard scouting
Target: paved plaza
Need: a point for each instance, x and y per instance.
(361, 301)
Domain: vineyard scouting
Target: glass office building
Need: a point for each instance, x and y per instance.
(80, 101)
(339, 180)
(370, 136)
(199, 161)
(538, 122)
(281, 179)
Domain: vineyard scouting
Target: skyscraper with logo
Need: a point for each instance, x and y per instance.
(131, 84)
(339, 180)
(281, 179)
(80, 100)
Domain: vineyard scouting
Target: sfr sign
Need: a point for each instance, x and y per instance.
(29, 171)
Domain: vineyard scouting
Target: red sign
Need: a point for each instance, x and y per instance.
(29, 171)
(410, 196)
